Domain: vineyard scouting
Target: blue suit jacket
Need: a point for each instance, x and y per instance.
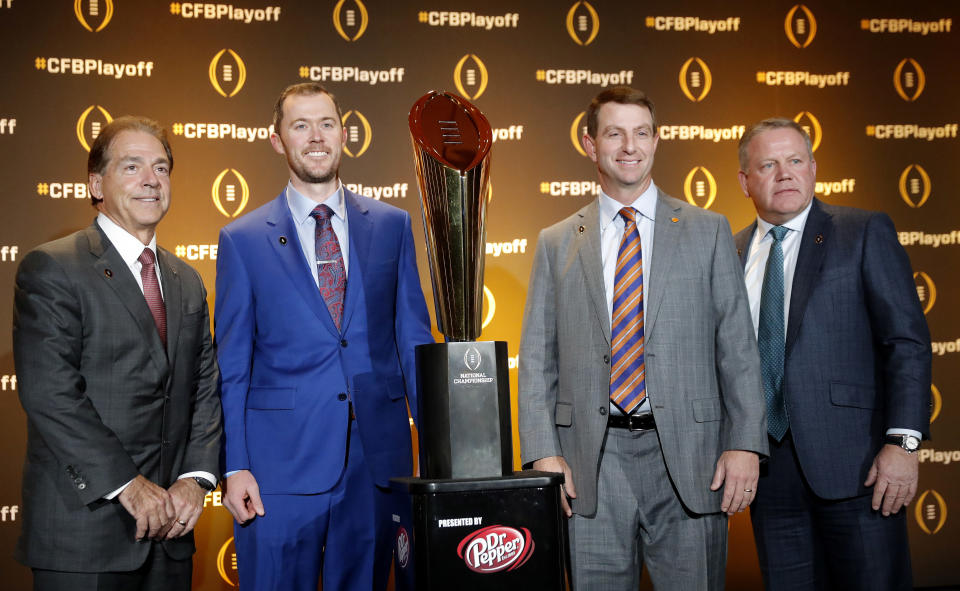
(289, 374)
(857, 346)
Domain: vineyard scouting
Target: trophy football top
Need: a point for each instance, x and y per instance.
(451, 130)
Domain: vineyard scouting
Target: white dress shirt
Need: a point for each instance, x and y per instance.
(130, 248)
(757, 255)
(611, 234)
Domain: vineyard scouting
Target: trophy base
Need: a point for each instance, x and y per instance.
(464, 410)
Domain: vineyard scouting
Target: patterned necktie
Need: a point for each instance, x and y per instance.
(627, 385)
(770, 337)
(151, 292)
(331, 274)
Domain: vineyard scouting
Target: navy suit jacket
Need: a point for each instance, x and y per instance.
(857, 346)
(289, 374)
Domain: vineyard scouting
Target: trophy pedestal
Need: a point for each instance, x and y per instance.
(489, 533)
(464, 410)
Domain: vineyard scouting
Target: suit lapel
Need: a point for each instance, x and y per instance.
(586, 236)
(114, 272)
(285, 242)
(172, 302)
(813, 247)
(742, 241)
(666, 236)
(361, 233)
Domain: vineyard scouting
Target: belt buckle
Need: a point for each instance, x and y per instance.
(630, 426)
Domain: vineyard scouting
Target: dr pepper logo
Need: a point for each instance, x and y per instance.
(496, 548)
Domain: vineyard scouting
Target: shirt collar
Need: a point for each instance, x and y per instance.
(301, 206)
(795, 224)
(646, 204)
(128, 245)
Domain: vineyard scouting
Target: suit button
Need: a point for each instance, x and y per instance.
(341, 397)
(343, 343)
(606, 359)
(81, 486)
(603, 410)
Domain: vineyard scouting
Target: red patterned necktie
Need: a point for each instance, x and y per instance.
(151, 292)
(331, 274)
(627, 384)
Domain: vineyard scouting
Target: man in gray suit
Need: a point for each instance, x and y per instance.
(846, 371)
(655, 418)
(118, 379)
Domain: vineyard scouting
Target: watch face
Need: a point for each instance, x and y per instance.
(911, 443)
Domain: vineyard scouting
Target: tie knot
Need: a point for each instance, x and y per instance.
(778, 232)
(629, 215)
(147, 257)
(321, 212)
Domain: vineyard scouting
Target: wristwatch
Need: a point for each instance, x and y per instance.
(205, 484)
(908, 443)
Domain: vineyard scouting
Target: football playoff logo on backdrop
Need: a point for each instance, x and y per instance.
(94, 15)
(230, 194)
(700, 188)
(583, 23)
(800, 26)
(695, 79)
(577, 129)
(931, 511)
(470, 76)
(926, 290)
(91, 121)
(909, 79)
(227, 73)
(227, 563)
(350, 20)
(915, 185)
(936, 403)
(811, 125)
(491, 307)
(359, 134)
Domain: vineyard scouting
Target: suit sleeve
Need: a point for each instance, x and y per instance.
(899, 328)
(737, 357)
(539, 373)
(48, 350)
(411, 320)
(235, 327)
(206, 420)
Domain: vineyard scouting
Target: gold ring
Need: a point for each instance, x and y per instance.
(748, 490)
(183, 523)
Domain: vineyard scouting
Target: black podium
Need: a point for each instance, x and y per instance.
(481, 533)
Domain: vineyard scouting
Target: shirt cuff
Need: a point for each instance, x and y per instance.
(205, 475)
(899, 431)
(115, 493)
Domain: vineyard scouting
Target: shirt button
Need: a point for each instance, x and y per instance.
(341, 397)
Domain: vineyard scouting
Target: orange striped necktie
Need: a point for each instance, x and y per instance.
(627, 385)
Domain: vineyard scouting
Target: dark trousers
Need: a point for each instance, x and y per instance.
(158, 573)
(808, 543)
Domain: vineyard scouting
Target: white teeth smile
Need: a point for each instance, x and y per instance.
(316, 154)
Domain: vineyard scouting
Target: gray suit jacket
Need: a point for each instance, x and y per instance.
(104, 400)
(857, 346)
(702, 366)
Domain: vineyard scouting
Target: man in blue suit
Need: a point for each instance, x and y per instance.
(318, 310)
(845, 354)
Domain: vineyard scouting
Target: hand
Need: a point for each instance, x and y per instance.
(187, 498)
(151, 506)
(559, 465)
(740, 470)
(241, 496)
(893, 477)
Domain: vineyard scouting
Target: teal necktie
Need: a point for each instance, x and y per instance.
(771, 337)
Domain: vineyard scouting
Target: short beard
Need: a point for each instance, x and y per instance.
(306, 177)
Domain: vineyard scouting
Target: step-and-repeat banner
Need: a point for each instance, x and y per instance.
(874, 82)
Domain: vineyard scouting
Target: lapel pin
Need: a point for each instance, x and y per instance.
(581, 229)
(108, 272)
(819, 239)
(739, 252)
(674, 220)
(283, 240)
